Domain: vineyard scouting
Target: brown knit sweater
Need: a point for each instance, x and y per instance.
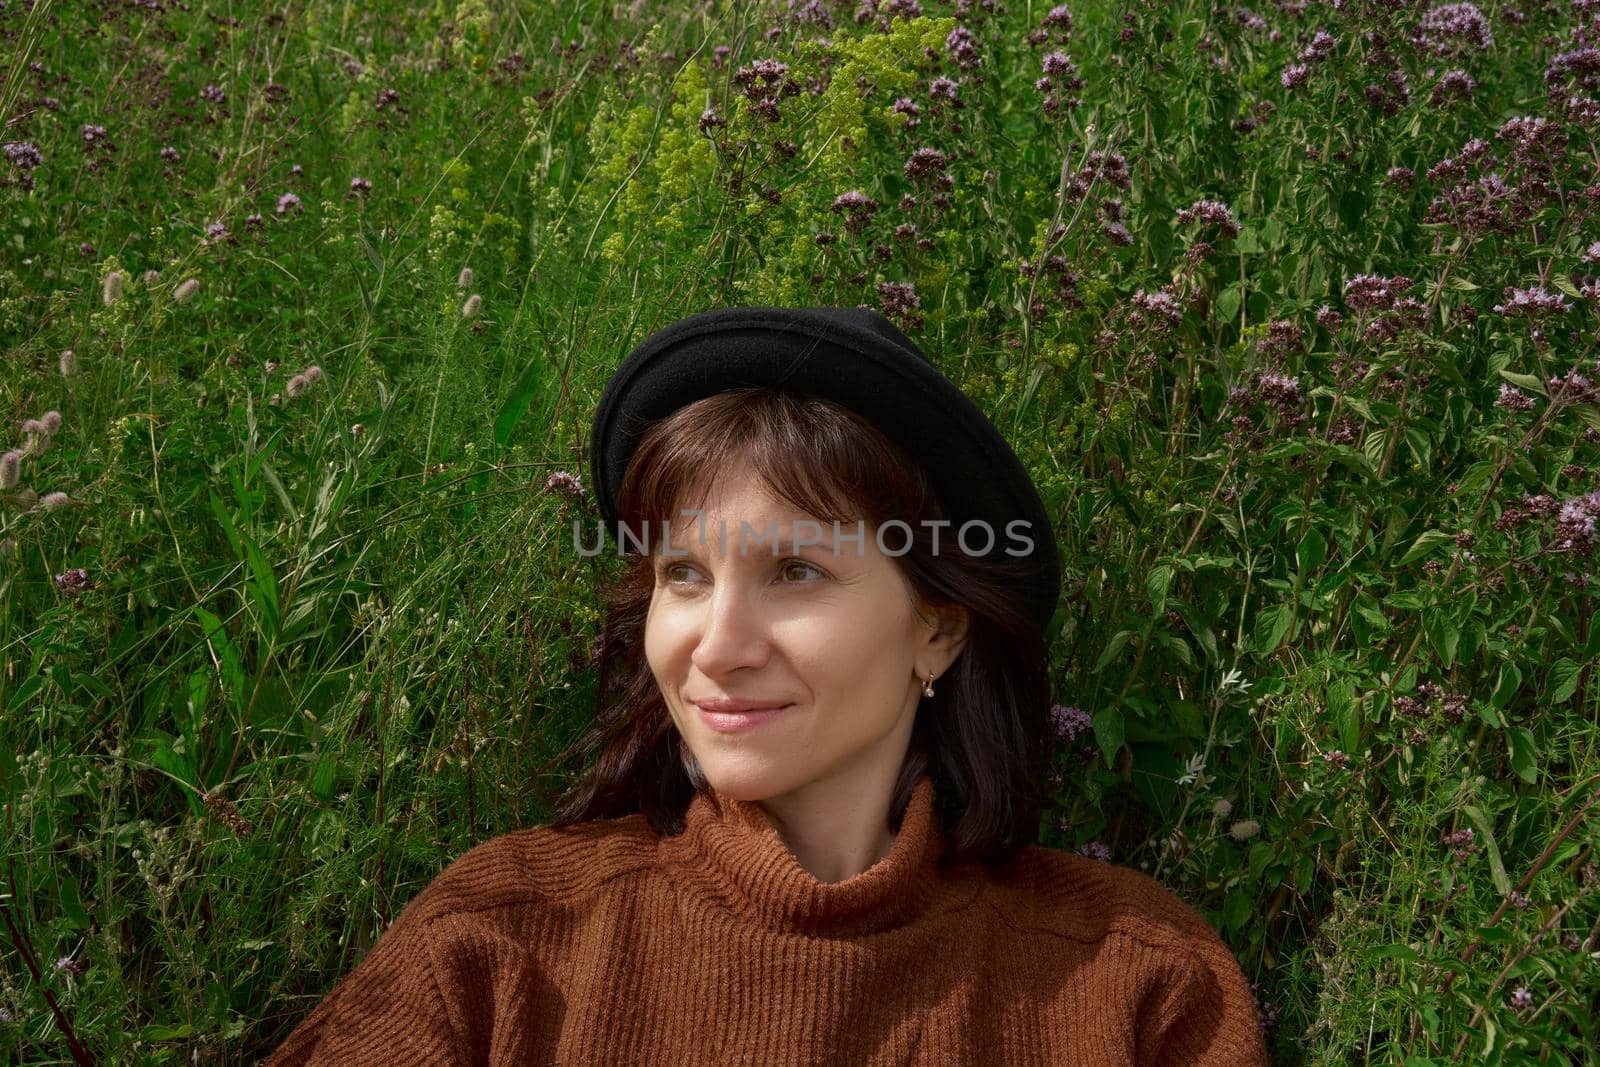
(606, 943)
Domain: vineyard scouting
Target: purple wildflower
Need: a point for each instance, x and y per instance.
(900, 301)
(1373, 291)
(1513, 399)
(1070, 722)
(73, 582)
(1096, 851)
(1058, 63)
(1450, 27)
(1530, 302)
(1294, 75)
(91, 134)
(925, 163)
(1161, 306)
(213, 94)
(910, 108)
(360, 185)
(1522, 998)
(288, 202)
(1213, 211)
(24, 155)
(564, 482)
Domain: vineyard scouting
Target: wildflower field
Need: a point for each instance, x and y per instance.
(1291, 310)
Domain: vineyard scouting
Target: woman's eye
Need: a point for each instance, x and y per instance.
(790, 567)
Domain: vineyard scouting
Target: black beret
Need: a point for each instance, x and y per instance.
(859, 359)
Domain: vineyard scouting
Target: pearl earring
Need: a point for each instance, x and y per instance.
(927, 686)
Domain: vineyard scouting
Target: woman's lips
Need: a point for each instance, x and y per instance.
(727, 722)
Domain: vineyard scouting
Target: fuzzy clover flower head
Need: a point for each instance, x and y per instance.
(1222, 807)
(67, 362)
(111, 287)
(1070, 722)
(1244, 829)
(54, 501)
(11, 468)
(464, 279)
(469, 309)
(50, 421)
(186, 290)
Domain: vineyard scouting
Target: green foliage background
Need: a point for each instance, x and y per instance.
(322, 638)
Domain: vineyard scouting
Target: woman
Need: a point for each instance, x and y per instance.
(806, 834)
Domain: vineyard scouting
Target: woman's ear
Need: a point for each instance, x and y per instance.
(949, 636)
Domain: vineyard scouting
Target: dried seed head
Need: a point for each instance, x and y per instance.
(111, 287)
(470, 308)
(186, 289)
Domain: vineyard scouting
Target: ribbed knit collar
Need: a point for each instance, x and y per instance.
(737, 859)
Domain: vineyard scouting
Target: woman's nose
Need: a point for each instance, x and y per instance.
(732, 633)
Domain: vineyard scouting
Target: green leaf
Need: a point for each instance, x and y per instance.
(1118, 642)
(1497, 868)
(1525, 381)
(1109, 732)
(1156, 582)
(1424, 544)
(1228, 303)
(1524, 754)
(1506, 686)
(1271, 626)
(1312, 551)
(322, 777)
(529, 386)
(1442, 633)
(1563, 680)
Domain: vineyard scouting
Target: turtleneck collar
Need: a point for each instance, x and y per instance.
(737, 859)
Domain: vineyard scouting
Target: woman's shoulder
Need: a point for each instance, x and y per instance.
(539, 865)
(1087, 899)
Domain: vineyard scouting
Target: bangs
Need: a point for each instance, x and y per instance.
(819, 457)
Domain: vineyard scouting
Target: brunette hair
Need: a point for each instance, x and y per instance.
(983, 735)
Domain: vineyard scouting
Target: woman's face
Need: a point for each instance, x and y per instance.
(827, 631)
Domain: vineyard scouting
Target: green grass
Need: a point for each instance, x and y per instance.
(307, 664)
